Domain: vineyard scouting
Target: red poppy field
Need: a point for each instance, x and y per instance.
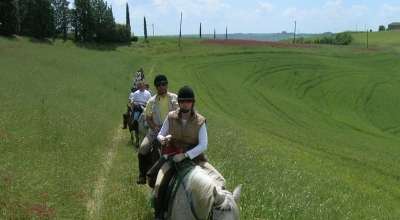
(237, 42)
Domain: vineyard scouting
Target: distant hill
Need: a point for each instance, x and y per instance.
(262, 37)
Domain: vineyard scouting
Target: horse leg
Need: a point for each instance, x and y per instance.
(136, 128)
(125, 118)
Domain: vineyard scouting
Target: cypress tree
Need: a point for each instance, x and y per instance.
(61, 17)
(84, 20)
(43, 17)
(200, 29)
(9, 17)
(145, 29)
(128, 24)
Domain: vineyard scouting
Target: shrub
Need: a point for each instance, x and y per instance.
(344, 38)
(134, 38)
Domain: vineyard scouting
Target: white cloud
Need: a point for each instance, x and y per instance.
(289, 12)
(386, 9)
(267, 5)
(357, 11)
(119, 2)
(330, 4)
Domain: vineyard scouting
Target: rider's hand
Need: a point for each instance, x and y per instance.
(179, 157)
(164, 141)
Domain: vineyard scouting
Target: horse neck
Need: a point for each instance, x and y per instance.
(200, 186)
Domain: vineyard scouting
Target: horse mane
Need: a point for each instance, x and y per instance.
(200, 186)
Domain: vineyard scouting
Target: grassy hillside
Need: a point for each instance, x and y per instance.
(311, 133)
(389, 38)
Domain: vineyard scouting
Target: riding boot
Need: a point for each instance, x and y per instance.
(136, 126)
(142, 169)
(156, 167)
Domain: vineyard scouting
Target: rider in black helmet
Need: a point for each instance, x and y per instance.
(188, 140)
(157, 109)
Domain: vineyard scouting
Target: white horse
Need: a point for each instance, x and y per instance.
(201, 195)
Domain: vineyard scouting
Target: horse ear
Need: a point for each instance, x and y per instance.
(237, 192)
(218, 199)
(215, 193)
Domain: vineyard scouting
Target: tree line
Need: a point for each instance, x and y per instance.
(343, 38)
(87, 20)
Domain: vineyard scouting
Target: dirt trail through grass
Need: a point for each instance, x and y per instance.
(94, 204)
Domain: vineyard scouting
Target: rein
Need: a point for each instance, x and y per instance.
(187, 195)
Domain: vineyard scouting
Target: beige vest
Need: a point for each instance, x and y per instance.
(189, 137)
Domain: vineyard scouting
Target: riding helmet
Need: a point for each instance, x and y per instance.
(186, 93)
(160, 79)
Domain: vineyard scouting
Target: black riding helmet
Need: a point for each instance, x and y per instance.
(186, 93)
(160, 79)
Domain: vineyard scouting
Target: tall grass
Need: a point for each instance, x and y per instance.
(310, 133)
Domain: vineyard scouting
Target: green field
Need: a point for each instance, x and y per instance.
(311, 133)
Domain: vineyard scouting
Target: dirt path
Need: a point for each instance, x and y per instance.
(94, 204)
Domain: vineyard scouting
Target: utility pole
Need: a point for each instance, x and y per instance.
(153, 29)
(367, 34)
(180, 31)
(226, 33)
(294, 33)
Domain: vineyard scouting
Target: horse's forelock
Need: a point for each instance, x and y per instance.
(202, 182)
(228, 208)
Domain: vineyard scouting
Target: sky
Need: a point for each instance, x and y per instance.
(255, 16)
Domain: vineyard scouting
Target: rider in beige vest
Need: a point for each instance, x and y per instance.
(188, 140)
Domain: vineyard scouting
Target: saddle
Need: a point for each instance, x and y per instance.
(153, 155)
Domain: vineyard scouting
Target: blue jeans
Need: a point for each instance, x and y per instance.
(136, 115)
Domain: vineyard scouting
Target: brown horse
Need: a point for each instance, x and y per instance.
(153, 155)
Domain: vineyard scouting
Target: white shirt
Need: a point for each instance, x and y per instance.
(139, 75)
(141, 98)
(131, 95)
(203, 139)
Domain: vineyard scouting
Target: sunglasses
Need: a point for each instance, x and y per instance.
(161, 84)
(185, 101)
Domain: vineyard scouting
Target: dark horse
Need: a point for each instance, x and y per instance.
(137, 127)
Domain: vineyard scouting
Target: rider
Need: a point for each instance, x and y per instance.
(138, 77)
(147, 86)
(141, 74)
(126, 114)
(188, 140)
(157, 110)
(139, 99)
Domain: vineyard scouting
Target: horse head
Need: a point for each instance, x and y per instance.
(225, 206)
(205, 197)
